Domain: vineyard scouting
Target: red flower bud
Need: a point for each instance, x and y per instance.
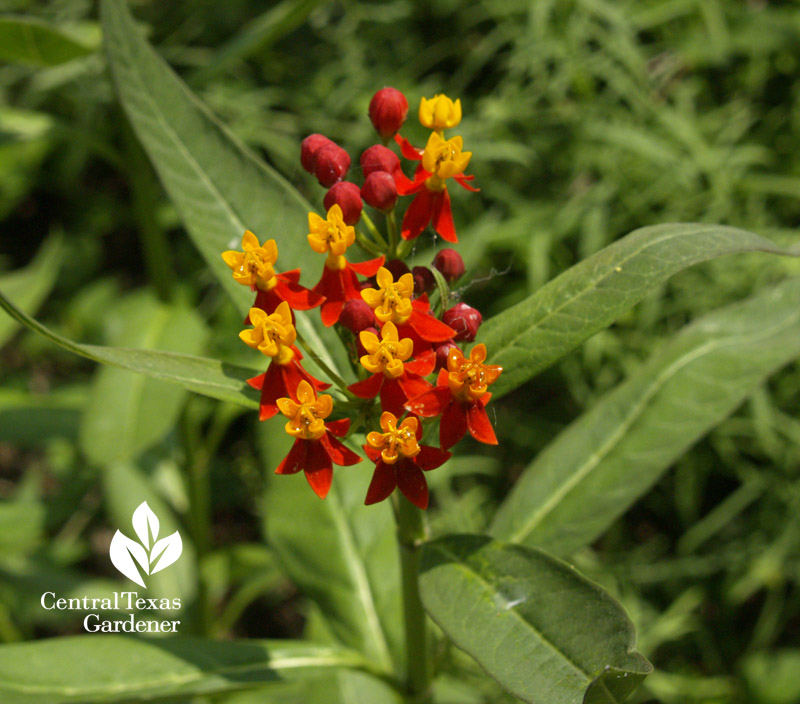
(379, 158)
(380, 191)
(348, 196)
(423, 280)
(387, 110)
(331, 163)
(450, 263)
(359, 347)
(309, 148)
(357, 316)
(465, 320)
(398, 267)
(441, 354)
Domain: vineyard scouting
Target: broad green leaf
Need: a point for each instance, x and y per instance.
(28, 40)
(144, 409)
(535, 333)
(111, 668)
(30, 420)
(544, 632)
(604, 461)
(338, 552)
(209, 377)
(219, 186)
(30, 286)
(125, 487)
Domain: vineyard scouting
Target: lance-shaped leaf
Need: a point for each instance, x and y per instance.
(108, 668)
(588, 297)
(145, 523)
(604, 461)
(218, 185)
(168, 550)
(209, 377)
(28, 40)
(544, 632)
(123, 551)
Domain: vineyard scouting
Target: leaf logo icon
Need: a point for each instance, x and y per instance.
(149, 555)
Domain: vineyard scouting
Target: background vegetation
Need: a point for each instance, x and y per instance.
(587, 119)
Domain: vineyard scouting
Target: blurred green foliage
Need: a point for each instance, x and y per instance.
(587, 119)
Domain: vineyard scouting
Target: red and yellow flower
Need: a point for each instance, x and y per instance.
(255, 267)
(315, 448)
(440, 160)
(439, 112)
(400, 460)
(332, 236)
(392, 302)
(273, 335)
(393, 376)
(460, 397)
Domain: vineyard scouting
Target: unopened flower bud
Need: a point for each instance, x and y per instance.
(465, 320)
(450, 263)
(380, 191)
(441, 354)
(398, 268)
(309, 148)
(387, 110)
(423, 280)
(360, 350)
(331, 163)
(379, 158)
(357, 316)
(348, 196)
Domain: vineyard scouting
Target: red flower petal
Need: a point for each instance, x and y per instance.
(411, 481)
(461, 181)
(318, 469)
(430, 404)
(369, 267)
(408, 150)
(413, 386)
(382, 484)
(338, 428)
(273, 387)
(478, 423)
(429, 328)
(393, 397)
(418, 215)
(423, 364)
(431, 457)
(330, 286)
(295, 460)
(369, 387)
(453, 426)
(292, 275)
(372, 453)
(339, 454)
(443, 218)
(267, 301)
(298, 297)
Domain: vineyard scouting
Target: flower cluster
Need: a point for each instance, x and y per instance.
(395, 321)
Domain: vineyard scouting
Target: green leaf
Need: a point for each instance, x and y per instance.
(604, 461)
(532, 335)
(27, 40)
(544, 632)
(209, 377)
(773, 677)
(112, 668)
(218, 185)
(30, 286)
(144, 409)
(339, 553)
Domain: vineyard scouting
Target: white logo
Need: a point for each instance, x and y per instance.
(126, 553)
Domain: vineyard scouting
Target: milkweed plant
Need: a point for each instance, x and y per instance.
(370, 374)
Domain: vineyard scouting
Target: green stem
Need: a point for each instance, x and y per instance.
(332, 375)
(374, 231)
(411, 533)
(367, 244)
(391, 223)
